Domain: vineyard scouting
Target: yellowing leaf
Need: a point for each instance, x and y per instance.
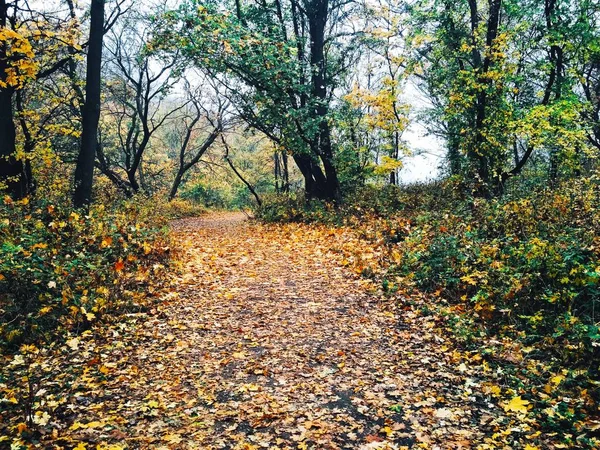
(173, 438)
(517, 404)
(73, 344)
(94, 424)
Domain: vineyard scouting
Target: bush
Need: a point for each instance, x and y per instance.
(532, 261)
(60, 269)
(528, 262)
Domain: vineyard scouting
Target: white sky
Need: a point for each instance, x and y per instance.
(428, 150)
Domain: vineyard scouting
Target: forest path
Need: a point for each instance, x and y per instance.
(271, 342)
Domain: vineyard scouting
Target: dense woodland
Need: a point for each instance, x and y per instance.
(118, 117)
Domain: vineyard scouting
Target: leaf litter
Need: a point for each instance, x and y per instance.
(267, 338)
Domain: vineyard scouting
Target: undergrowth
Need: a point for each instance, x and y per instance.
(514, 279)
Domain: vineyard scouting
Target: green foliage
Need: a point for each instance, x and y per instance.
(284, 208)
(501, 85)
(529, 261)
(61, 269)
(522, 263)
(207, 195)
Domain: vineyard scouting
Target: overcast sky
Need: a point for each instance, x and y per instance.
(428, 150)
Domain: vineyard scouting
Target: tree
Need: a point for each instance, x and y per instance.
(377, 92)
(285, 66)
(501, 83)
(84, 171)
(138, 86)
(23, 31)
(191, 146)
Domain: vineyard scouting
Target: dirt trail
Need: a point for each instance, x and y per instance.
(270, 342)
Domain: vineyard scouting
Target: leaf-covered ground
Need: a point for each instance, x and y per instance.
(268, 339)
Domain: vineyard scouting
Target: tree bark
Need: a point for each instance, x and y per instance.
(12, 169)
(322, 147)
(84, 172)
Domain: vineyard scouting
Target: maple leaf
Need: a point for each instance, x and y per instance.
(73, 343)
(517, 405)
(119, 265)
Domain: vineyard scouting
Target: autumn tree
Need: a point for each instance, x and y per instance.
(286, 58)
(500, 81)
(197, 130)
(34, 45)
(376, 92)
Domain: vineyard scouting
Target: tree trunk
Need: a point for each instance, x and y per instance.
(286, 173)
(12, 170)
(84, 172)
(487, 182)
(183, 166)
(276, 171)
(322, 146)
(176, 183)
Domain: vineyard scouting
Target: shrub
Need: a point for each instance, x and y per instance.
(526, 262)
(60, 269)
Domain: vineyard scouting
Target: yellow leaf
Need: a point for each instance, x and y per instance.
(73, 343)
(517, 404)
(94, 424)
(45, 310)
(172, 438)
(531, 447)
